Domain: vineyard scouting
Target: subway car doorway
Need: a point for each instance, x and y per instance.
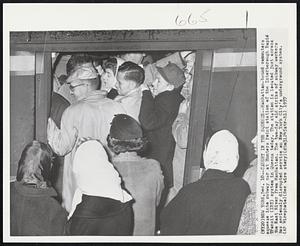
(223, 84)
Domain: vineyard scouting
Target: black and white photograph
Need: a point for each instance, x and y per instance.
(154, 132)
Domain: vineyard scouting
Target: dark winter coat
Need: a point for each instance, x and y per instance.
(101, 216)
(210, 206)
(58, 106)
(156, 117)
(34, 211)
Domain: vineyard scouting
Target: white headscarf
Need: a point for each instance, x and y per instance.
(120, 61)
(95, 175)
(222, 152)
(107, 87)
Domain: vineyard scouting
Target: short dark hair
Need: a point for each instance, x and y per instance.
(35, 162)
(77, 60)
(121, 146)
(111, 63)
(132, 72)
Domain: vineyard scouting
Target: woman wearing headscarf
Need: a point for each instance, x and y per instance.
(213, 204)
(34, 211)
(100, 206)
(108, 77)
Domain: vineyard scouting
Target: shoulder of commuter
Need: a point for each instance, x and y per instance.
(74, 106)
(153, 172)
(251, 171)
(58, 99)
(171, 94)
(242, 185)
(58, 218)
(73, 111)
(169, 100)
(112, 104)
(250, 176)
(137, 92)
(82, 104)
(56, 207)
(154, 166)
(150, 168)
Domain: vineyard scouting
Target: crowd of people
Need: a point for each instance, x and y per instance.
(114, 161)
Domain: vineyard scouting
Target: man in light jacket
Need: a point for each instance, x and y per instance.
(129, 78)
(90, 116)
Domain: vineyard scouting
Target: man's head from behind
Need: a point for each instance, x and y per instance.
(83, 80)
(130, 76)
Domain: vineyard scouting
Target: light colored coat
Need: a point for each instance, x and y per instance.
(91, 117)
(131, 102)
(180, 132)
(144, 180)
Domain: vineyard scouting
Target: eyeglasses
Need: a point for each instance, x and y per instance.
(72, 87)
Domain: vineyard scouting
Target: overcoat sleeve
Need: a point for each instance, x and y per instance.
(63, 140)
(58, 219)
(175, 216)
(160, 184)
(180, 130)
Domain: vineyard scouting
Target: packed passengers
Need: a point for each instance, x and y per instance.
(120, 142)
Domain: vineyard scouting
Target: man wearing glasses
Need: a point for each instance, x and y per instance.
(89, 117)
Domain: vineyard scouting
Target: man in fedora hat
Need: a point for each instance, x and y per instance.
(90, 116)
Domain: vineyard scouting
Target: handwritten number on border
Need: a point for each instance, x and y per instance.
(190, 19)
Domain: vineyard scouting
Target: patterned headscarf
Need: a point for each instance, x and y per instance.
(35, 165)
(222, 152)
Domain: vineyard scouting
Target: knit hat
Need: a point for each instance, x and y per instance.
(85, 71)
(172, 74)
(124, 127)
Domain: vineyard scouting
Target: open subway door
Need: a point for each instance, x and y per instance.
(30, 91)
(30, 94)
